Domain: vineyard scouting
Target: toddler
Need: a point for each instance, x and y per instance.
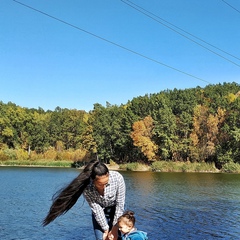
(126, 225)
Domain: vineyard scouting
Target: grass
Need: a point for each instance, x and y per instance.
(231, 167)
(135, 166)
(164, 166)
(41, 162)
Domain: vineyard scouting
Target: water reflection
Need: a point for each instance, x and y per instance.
(187, 205)
(167, 205)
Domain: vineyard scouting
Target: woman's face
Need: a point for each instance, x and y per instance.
(101, 181)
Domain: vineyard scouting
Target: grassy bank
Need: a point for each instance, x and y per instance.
(159, 166)
(37, 163)
(165, 166)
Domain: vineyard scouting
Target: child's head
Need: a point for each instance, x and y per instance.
(126, 222)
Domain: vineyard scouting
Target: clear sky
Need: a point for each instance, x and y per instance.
(76, 53)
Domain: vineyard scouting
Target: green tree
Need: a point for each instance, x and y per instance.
(72, 128)
(111, 129)
(165, 133)
(38, 136)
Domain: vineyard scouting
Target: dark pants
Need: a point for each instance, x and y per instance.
(109, 214)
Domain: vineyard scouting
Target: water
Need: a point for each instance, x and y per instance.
(167, 205)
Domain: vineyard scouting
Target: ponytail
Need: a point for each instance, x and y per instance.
(65, 199)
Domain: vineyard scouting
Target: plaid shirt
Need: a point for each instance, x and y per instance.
(114, 194)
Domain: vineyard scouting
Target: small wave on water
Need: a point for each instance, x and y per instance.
(167, 205)
(179, 207)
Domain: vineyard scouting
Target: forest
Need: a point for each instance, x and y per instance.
(191, 125)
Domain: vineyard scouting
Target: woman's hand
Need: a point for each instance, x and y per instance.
(105, 235)
(113, 234)
(110, 236)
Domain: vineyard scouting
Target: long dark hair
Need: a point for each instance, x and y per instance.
(64, 199)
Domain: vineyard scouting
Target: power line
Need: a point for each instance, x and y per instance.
(181, 29)
(153, 16)
(113, 43)
(231, 6)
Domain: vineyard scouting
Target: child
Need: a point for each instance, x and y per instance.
(126, 225)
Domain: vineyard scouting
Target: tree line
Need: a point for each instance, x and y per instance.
(196, 125)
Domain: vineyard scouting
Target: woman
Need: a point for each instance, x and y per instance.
(104, 191)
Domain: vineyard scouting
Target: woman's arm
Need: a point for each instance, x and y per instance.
(120, 202)
(97, 211)
(120, 198)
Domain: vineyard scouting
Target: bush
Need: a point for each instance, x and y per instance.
(224, 158)
(78, 164)
(80, 155)
(136, 167)
(161, 166)
(231, 167)
(3, 156)
(35, 156)
(3, 146)
(112, 163)
(65, 155)
(164, 166)
(50, 154)
(131, 166)
(22, 154)
(10, 153)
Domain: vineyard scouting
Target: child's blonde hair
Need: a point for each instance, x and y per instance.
(127, 218)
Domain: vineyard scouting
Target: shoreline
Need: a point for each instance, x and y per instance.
(166, 167)
(111, 168)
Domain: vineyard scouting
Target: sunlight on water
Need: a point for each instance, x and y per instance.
(167, 205)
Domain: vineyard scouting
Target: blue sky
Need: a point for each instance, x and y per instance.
(87, 52)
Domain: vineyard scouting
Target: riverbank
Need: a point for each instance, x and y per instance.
(159, 166)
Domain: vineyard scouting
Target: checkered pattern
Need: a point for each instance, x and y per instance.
(114, 194)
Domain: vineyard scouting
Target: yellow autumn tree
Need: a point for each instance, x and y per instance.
(141, 136)
(213, 126)
(205, 134)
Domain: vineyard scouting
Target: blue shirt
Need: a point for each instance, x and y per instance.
(135, 235)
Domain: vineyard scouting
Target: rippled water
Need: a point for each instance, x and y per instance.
(167, 205)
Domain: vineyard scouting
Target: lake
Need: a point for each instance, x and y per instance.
(167, 205)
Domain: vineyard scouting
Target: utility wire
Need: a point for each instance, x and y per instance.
(180, 29)
(231, 6)
(108, 41)
(153, 16)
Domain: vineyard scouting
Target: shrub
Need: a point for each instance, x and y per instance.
(135, 166)
(65, 155)
(22, 154)
(80, 155)
(224, 158)
(50, 154)
(160, 166)
(35, 156)
(112, 163)
(10, 153)
(3, 156)
(231, 167)
(164, 166)
(78, 164)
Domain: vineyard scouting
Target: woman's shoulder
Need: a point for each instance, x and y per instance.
(115, 175)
